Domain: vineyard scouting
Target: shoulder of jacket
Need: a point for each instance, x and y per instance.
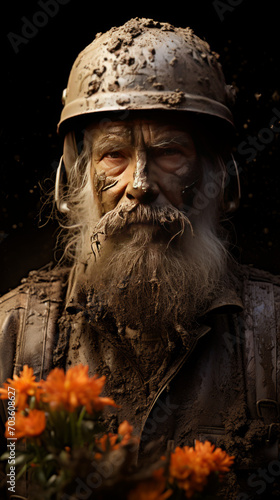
(250, 273)
(46, 282)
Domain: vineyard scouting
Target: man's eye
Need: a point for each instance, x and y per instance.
(114, 162)
(113, 155)
(170, 151)
(167, 152)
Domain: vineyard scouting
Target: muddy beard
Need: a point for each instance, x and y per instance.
(154, 273)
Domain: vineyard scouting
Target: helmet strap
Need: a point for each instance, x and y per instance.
(70, 154)
(58, 190)
(233, 189)
(70, 151)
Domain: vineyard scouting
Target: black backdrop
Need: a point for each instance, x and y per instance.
(34, 72)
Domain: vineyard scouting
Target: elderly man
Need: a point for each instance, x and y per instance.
(148, 294)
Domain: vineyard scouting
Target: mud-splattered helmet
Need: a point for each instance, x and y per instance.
(147, 65)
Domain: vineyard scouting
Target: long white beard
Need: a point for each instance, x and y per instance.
(154, 273)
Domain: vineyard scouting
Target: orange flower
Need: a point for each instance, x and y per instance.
(31, 425)
(125, 431)
(187, 471)
(73, 389)
(125, 428)
(190, 467)
(151, 489)
(107, 442)
(24, 385)
(112, 441)
(217, 459)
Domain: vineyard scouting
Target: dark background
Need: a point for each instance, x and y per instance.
(244, 33)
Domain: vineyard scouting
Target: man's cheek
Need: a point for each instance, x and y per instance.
(178, 191)
(109, 200)
(170, 186)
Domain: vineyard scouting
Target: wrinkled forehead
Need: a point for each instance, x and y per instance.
(145, 131)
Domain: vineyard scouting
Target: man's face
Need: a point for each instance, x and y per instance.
(146, 255)
(143, 161)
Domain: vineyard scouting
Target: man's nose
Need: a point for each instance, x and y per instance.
(142, 187)
(144, 195)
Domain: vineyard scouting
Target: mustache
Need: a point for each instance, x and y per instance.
(167, 218)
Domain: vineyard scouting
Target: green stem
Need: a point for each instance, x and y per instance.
(22, 470)
(37, 445)
(79, 423)
(73, 420)
(82, 414)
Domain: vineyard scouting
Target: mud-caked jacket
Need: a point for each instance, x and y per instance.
(224, 385)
